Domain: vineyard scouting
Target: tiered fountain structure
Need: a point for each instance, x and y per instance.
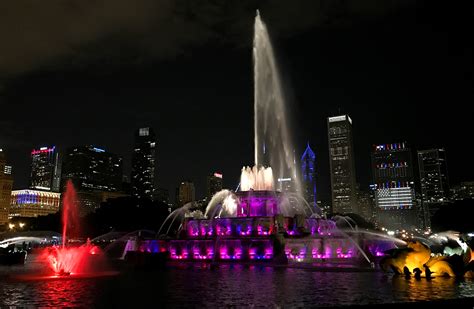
(260, 224)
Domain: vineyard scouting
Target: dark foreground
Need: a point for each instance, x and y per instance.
(230, 286)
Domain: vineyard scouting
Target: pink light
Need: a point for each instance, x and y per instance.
(34, 152)
(218, 175)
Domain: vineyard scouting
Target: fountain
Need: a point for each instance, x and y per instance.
(71, 260)
(259, 223)
(273, 145)
(421, 260)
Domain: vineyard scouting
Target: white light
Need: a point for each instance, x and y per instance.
(43, 148)
(337, 118)
(390, 233)
(143, 131)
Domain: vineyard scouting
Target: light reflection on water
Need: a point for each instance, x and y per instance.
(229, 286)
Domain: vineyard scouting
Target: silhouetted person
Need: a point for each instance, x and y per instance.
(417, 273)
(428, 272)
(407, 272)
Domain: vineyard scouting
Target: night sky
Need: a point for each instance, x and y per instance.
(91, 72)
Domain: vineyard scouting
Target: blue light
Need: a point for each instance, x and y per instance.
(98, 149)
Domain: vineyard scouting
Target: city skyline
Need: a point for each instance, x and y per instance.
(372, 67)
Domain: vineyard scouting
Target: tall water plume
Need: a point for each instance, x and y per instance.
(273, 142)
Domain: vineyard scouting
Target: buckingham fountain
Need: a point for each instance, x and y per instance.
(258, 222)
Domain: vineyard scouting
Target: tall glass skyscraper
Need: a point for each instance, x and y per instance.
(143, 164)
(434, 181)
(308, 171)
(95, 173)
(92, 169)
(342, 167)
(45, 169)
(433, 175)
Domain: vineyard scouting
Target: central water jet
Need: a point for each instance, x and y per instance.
(272, 139)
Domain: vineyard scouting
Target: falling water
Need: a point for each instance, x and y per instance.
(273, 144)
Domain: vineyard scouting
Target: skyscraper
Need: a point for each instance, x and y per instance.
(143, 164)
(45, 169)
(341, 162)
(308, 170)
(392, 170)
(214, 184)
(433, 175)
(6, 184)
(95, 173)
(434, 181)
(186, 193)
(91, 168)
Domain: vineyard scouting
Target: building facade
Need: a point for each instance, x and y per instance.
(365, 203)
(6, 184)
(91, 168)
(45, 169)
(433, 175)
(34, 203)
(143, 164)
(342, 167)
(463, 191)
(308, 172)
(394, 186)
(94, 172)
(433, 180)
(186, 193)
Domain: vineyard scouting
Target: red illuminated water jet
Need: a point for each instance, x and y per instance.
(69, 260)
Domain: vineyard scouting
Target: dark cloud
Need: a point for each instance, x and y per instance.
(35, 34)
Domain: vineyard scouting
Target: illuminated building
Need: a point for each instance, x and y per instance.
(365, 203)
(434, 181)
(342, 167)
(392, 171)
(308, 170)
(94, 172)
(34, 203)
(6, 184)
(91, 168)
(143, 164)
(186, 193)
(433, 175)
(214, 184)
(45, 169)
(465, 190)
